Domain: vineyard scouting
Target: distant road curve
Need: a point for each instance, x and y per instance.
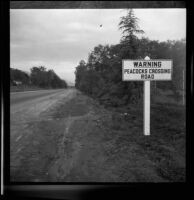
(19, 97)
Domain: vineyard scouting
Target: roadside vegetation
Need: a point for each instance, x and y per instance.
(39, 78)
(101, 76)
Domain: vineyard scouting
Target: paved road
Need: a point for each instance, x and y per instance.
(20, 97)
(32, 103)
(27, 106)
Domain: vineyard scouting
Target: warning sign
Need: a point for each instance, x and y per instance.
(144, 70)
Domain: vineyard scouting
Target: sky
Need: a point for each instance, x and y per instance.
(59, 38)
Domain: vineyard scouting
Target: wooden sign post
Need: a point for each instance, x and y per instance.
(147, 70)
(147, 105)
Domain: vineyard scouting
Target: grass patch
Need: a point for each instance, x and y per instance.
(165, 147)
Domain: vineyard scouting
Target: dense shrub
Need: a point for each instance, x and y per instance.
(101, 75)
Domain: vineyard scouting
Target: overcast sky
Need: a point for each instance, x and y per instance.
(59, 38)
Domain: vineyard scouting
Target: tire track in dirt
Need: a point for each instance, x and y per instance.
(67, 155)
(92, 152)
(68, 148)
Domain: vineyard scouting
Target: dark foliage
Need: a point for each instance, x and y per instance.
(39, 77)
(46, 79)
(101, 76)
(18, 75)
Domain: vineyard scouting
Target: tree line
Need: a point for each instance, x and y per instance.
(101, 75)
(39, 77)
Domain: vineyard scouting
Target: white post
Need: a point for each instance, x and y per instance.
(147, 105)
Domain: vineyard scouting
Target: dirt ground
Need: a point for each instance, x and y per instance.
(78, 140)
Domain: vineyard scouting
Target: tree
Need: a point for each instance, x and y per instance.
(80, 73)
(129, 25)
(19, 75)
(38, 75)
(101, 76)
(46, 79)
(130, 28)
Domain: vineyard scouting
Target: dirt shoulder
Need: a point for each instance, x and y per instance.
(81, 141)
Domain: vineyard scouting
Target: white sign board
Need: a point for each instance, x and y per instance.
(147, 70)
